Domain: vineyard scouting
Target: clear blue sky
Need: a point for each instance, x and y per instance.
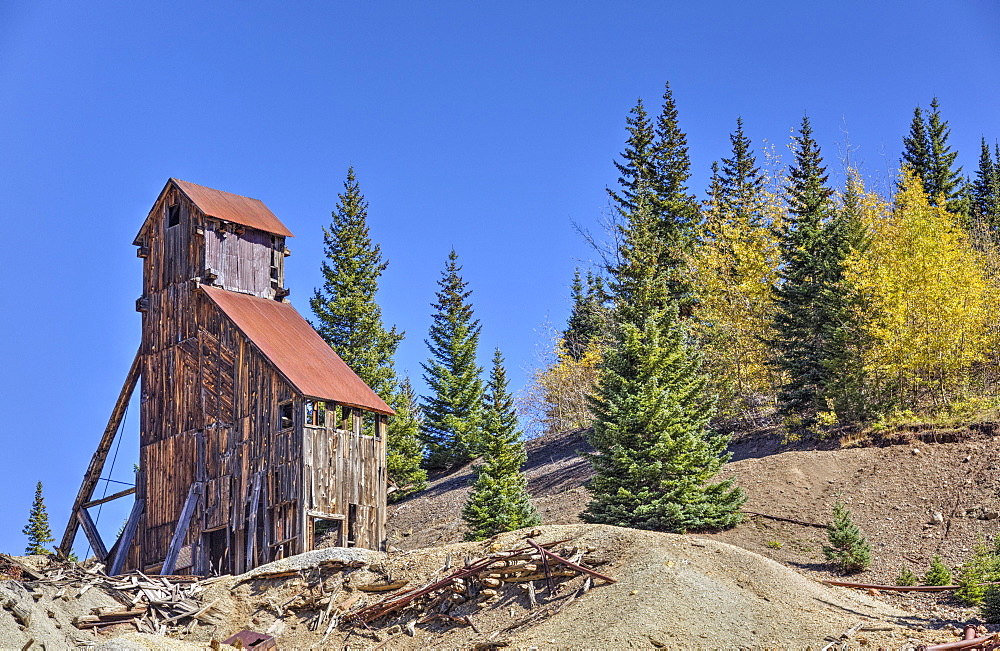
(490, 127)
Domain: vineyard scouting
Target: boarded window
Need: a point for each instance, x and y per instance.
(315, 413)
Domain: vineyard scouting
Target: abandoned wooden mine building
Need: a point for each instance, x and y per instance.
(256, 439)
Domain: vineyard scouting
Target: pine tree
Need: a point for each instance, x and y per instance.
(741, 184)
(588, 316)
(916, 146)
(986, 189)
(938, 573)
(404, 451)
(452, 427)
(656, 157)
(844, 378)
(638, 159)
(350, 320)
(906, 577)
(348, 316)
(927, 154)
(799, 326)
(654, 453)
(675, 207)
(499, 499)
(37, 530)
(847, 546)
(944, 182)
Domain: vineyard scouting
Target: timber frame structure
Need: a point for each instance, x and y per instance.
(256, 440)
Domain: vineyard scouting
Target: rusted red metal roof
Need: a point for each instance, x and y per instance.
(233, 208)
(292, 345)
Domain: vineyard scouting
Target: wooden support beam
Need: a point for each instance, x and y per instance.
(90, 530)
(252, 521)
(104, 500)
(182, 526)
(124, 543)
(93, 474)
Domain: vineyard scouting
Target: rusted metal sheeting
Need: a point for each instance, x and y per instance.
(233, 208)
(292, 345)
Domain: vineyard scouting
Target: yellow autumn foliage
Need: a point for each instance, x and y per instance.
(733, 271)
(925, 303)
(556, 398)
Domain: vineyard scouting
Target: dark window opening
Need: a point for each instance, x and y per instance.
(326, 533)
(352, 526)
(285, 415)
(173, 215)
(315, 413)
(218, 551)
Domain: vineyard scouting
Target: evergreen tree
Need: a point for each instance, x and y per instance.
(938, 573)
(847, 546)
(350, 320)
(656, 158)
(404, 451)
(916, 147)
(37, 530)
(741, 184)
(844, 235)
(588, 316)
(499, 499)
(654, 453)
(675, 207)
(906, 577)
(638, 164)
(944, 181)
(986, 189)
(799, 325)
(927, 154)
(348, 317)
(452, 427)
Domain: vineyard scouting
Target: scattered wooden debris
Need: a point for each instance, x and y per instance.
(482, 579)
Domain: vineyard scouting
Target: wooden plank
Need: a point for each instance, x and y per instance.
(182, 526)
(124, 543)
(109, 498)
(93, 474)
(252, 521)
(83, 517)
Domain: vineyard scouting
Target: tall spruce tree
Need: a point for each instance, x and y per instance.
(800, 330)
(404, 450)
(843, 339)
(656, 157)
(986, 188)
(499, 499)
(927, 153)
(348, 317)
(453, 413)
(37, 530)
(916, 146)
(741, 183)
(588, 315)
(654, 454)
(350, 320)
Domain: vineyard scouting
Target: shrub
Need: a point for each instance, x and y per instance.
(938, 573)
(906, 577)
(983, 566)
(990, 608)
(847, 546)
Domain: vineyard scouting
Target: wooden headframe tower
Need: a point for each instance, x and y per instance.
(254, 435)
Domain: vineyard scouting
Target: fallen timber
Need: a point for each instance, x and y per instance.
(899, 588)
(493, 564)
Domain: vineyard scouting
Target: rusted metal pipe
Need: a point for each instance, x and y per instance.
(973, 643)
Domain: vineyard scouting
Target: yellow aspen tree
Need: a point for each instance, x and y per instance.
(925, 302)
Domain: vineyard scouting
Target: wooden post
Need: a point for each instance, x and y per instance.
(92, 535)
(182, 526)
(252, 522)
(93, 474)
(124, 543)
